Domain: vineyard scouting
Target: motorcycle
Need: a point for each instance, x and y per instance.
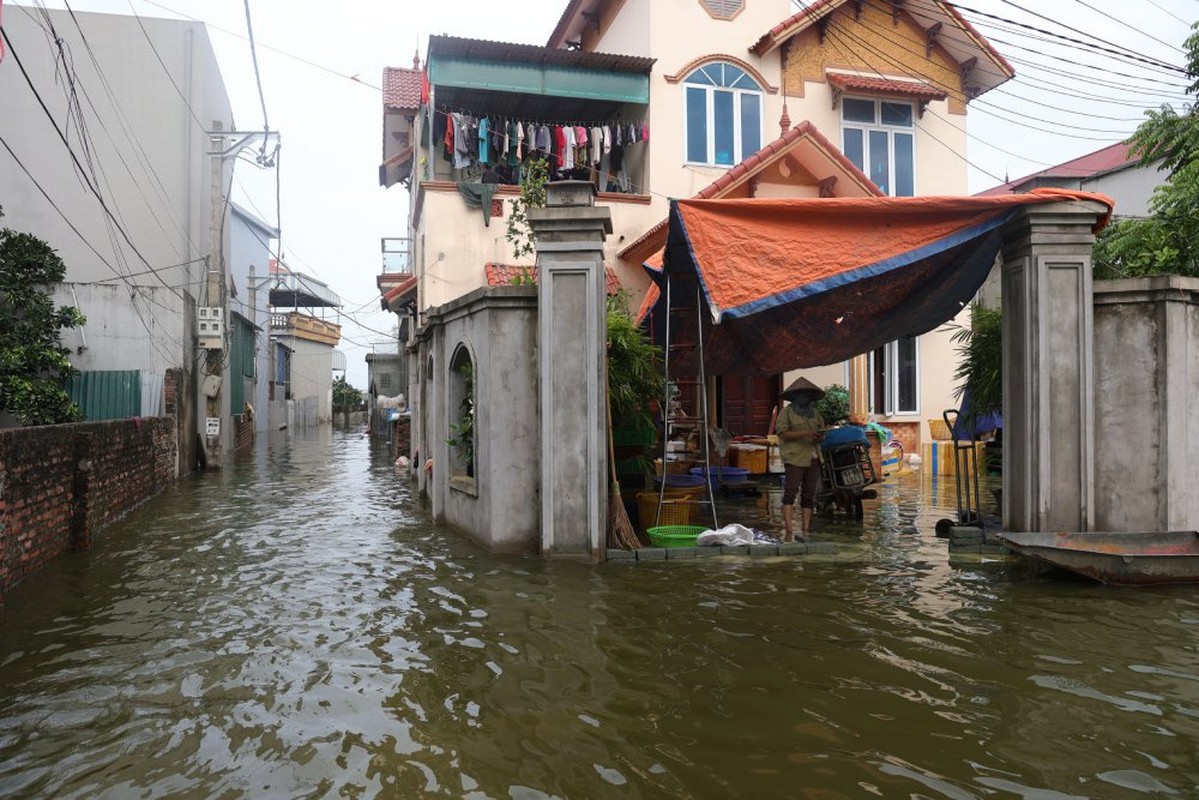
(846, 472)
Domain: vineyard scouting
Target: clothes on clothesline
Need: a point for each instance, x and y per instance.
(470, 140)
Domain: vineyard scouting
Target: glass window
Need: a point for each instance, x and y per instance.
(878, 139)
(904, 165)
(697, 124)
(724, 127)
(751, 124)
(895, 378)
(854, 110)
(723, 114)
(897, 114)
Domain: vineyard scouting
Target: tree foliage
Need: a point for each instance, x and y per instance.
(532, 195)
(345, 396)
(634, 369)
(1168, 240)
(980, 368)
(33, 362)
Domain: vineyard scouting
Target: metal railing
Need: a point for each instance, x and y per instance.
(397, 255)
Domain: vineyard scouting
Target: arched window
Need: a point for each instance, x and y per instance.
(724, 115)
(462, 413)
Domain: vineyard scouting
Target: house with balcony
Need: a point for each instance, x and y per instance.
(691, 98)
(304, 355)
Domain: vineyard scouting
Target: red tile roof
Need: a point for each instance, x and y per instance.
(507, 274)
(394, 297)
(401, 88)
(884, 86)
(756, 163)
(1107, 159)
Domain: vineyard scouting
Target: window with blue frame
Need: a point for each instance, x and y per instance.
(878, 137)
(723, 115)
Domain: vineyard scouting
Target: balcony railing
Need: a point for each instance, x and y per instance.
(303, 326)
(397, 255)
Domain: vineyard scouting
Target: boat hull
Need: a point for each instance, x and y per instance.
(1123, 559)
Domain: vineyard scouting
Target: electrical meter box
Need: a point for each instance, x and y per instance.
(210, 327)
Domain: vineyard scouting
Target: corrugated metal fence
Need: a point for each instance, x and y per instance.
(116, 394)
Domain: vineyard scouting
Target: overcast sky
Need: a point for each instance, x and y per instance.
(322, 65)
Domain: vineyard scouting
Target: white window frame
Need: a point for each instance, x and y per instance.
(710, 115)
(891, 373)
(889, 130)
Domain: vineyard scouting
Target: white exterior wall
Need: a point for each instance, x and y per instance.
(164, 203)
(312, 374)
(1131, 188)
(151, 169)
(456, 245)
(115, 337)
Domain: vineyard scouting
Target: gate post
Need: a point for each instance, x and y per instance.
(572, 368)
(1048, 395)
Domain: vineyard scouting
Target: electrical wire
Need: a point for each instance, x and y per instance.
(266, 126)
(74, 157)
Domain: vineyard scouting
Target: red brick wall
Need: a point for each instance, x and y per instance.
(908, 433)
(243, 431)
(401, 438)
(59, 484)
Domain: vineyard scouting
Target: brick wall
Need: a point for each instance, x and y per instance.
(60, 484)
(243, 432)
(401, 438)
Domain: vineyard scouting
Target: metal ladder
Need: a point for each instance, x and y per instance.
(702, 420)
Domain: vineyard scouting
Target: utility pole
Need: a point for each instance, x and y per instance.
(213, 315)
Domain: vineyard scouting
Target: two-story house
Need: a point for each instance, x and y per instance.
(690, 98)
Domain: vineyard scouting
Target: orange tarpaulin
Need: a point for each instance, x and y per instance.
(804, 282)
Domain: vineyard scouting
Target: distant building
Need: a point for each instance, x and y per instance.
(1110, 170)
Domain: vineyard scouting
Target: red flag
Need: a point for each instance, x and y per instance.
(424, 87)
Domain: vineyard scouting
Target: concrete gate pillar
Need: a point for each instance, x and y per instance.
(572, 365)
(1048, 437)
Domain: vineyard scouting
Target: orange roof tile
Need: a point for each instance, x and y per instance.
(885, 86)
(401, 88)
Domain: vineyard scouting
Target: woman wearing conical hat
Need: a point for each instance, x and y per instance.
(800, 429)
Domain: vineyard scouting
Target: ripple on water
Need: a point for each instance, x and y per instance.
(298, 626)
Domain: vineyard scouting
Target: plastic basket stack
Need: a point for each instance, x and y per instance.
(676, 509)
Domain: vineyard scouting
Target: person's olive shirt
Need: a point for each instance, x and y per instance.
(798, 452)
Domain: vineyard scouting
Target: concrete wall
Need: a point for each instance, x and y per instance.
(499, 504)
(1146, 418)
(59, 484)
(126, 328)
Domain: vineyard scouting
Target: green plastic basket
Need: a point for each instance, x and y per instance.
(674, 535)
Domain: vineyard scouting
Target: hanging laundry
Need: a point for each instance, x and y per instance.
(484, 144)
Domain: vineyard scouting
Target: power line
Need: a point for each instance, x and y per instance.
(265, 46)
(266, 126)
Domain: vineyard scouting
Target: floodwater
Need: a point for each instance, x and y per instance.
(295, 626)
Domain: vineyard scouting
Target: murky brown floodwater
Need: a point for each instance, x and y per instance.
(296, 627)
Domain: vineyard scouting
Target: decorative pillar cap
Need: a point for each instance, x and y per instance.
(569, 193)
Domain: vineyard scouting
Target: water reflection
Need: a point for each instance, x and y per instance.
(296, 627)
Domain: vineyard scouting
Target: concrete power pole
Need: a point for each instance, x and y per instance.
(213, 317)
